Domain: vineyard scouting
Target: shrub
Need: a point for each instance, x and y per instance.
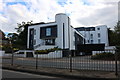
(46, 51)
(21, 53)
(104, 56)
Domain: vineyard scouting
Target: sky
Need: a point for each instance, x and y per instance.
(83, 13)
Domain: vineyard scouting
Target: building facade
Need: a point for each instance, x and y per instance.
(95, 35)
(59, 34)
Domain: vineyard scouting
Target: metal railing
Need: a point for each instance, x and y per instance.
(72, 60)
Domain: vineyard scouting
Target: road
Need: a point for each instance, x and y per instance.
(77, 63)
(15, 74)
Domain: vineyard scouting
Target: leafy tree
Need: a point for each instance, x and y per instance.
(114, 35)
(111, 37)
(13, 37)
(22, 37)
(117, 32)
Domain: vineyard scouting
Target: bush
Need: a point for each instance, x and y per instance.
(7, 49)
(46, 51)
(21, 53)
(104, 56)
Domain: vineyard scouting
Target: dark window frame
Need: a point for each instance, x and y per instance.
(53, 32)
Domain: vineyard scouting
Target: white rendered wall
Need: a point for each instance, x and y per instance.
(60, 20)
(37, 36)
(103, 35)
(69, 38)
(56, 54)
(68, 32)
(72, 39)
(2, 53)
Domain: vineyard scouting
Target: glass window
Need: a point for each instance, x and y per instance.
(34, 42)
(91, 41)
(91, 36)
(85, 35)
(98, 34)
(99, 41)
(88, 41)
(49, 41)
(98, 28)
(48, 31)
(34, 32)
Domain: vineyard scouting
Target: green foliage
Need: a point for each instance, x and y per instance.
(13, 38)
(46, 51)
(7, 49)
(114, 35)
(20, 53)
(104, 56)
(20, 40)
(117, 31)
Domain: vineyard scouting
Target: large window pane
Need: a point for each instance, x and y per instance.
(48, 31)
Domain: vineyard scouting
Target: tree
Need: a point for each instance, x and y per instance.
(13, 38)
(22, 37)
(117, 33)
(114, 35)
(111, 37)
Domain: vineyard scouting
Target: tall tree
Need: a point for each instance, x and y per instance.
(117, 32)
(22, 30)
(111, 37)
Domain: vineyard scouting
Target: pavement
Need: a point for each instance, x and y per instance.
(65, 73)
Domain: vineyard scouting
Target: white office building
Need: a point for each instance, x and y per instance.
(95, 35)
(59, 34)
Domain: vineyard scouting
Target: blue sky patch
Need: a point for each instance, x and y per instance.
(62, 3)
(6, 33)
(1, 12)
(13, 3)
(86, 2)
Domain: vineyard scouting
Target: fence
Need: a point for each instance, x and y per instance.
(102, 60)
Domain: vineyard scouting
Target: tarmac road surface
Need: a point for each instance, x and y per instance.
(9, 74)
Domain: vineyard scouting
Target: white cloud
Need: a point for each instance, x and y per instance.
(94, 12)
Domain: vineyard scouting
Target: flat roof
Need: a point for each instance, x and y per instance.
(41, 23)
